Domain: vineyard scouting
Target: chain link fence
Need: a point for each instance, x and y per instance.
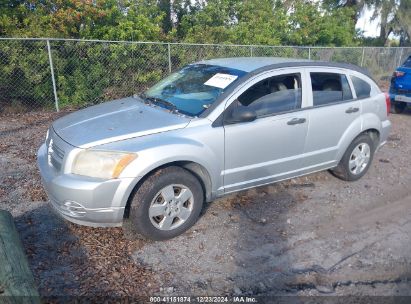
(55, 74)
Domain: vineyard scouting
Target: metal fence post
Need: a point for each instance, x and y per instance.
(169, 57)
(56, 101)
(251, 51)
(309, 53)
(362, 57)
(400, 57)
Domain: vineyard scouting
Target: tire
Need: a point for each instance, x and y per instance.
(165, 205)
(398, 107)
(356, 161)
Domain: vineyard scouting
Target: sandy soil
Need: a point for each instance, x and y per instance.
(314, 235)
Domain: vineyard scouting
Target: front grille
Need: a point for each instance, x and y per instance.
(55, 153)
(55, 162)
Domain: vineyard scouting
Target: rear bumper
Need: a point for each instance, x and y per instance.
(397, 97)
(83, 200)
(385, 131)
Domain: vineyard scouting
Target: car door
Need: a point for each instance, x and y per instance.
(268, 148)
(334, 110)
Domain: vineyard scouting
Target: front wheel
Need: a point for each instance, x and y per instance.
(165, 205)
(356, 160)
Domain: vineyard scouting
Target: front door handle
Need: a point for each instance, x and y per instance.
(352, 110)
(296, 121)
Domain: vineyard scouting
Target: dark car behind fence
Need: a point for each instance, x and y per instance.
(54, 74)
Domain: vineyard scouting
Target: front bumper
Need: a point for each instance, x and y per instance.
(83, 200)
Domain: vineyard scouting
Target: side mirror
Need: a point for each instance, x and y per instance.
(241, 114)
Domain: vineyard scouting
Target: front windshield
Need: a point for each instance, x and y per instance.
(194, 88)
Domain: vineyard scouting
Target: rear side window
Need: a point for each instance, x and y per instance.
(273, 95)
(362, 88)
(407, 63)
(329, 88)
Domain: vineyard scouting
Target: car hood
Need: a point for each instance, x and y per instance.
(116, 120)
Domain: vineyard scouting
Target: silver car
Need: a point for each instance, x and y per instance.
(149, 162)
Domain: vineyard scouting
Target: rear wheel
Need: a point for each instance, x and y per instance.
(356, 160)
(398, 107)
(165, 205)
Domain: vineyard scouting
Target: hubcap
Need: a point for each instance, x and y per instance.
(171, 207)
(360, 158)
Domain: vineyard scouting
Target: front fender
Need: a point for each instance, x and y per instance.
(158, 150)
(151, 159)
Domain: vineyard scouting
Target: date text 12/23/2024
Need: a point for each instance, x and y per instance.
(203, 299)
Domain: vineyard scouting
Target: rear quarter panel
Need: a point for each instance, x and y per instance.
(373, 114)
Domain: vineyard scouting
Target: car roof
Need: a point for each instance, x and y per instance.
(249, 64)
(259, 64)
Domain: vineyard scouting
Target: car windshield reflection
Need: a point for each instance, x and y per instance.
(194, 88)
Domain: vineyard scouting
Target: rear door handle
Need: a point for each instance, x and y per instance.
(352, 110)
(296, 121)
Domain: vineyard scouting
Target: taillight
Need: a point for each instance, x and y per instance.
(398, 74)
(388, 102)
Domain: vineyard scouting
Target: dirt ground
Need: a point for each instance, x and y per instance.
(314, 235)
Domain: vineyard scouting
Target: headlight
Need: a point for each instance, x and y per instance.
(102, 164)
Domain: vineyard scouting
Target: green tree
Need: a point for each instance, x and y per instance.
(210, 23)
(104, 19)
(260, 22)
(314, 24)
(295, 22)
(357, 5)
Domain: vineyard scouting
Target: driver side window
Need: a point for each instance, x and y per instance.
(273, 95)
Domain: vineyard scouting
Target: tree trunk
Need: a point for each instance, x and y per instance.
(404, 20)
(16, 280)
(165, 6)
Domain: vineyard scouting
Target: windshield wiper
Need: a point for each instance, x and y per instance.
(161, 102)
